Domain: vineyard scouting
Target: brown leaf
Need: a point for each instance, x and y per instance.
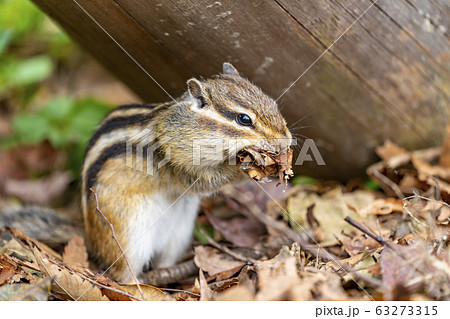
(260, 163)
(225, 274)
(360, 243)
(38, 291)
(330, 210)
(20, 235)
(318, 284)
(424, 163)
(151, 293)
(236, 293)
(116, 295)
(277, 276)
(206, 294)
(213, 261)
(407, 269)
(6, 275)
(240, 231)
(68, 284)
(396, 271)
(381, 207)
(15, 249)
(75, 252)
(389, 150)
(354, 260)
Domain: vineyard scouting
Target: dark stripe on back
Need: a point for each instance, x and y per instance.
(115, 151)
(111, 152)
(117, 123)
(124, 121)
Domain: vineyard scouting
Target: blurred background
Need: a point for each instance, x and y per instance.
(52, 96)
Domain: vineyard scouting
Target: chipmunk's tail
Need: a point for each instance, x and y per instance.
(43, 224)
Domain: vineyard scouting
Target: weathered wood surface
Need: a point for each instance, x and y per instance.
(387, 77)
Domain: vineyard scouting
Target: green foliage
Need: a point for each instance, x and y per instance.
(303, 180)
(31, 47)
(19, 73)
(371, 185)
(66, 123)
(20, 16)
(199, 236)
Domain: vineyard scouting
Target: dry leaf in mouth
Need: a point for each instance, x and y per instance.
(259, 164)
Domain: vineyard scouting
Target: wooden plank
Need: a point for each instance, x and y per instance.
(375, 50)
(140, 45)
(419, 27)
(356, 102)
(437, 12)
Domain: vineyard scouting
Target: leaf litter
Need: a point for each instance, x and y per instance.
(321, 241)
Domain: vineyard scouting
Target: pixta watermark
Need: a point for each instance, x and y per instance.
(148, 151)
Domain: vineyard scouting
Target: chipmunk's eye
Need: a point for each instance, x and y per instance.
(243, 119)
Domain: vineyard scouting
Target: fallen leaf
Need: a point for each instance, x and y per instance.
(15, 249)
(151, 293)
(227, 273)
(259, 163)
(213, 261)
(277, 276)
(6, 275)
(116, 291)
(407, 269)
(389, 150)
(206, 294)
(360, 243)
(38, 291)
(355, 260)
(75, 252)
(318, 284)
(381, 207)
(240, 231)
(330, 210)
(236, 293)
(68, 284)
(21, 235)
(423, 162)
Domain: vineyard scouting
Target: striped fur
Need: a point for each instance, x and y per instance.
(127, 196)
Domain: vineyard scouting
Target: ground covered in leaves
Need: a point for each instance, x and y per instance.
(318, 241)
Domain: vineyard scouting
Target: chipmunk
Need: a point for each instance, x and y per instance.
(153, 214)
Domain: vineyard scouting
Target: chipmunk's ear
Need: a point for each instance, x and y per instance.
(195, 88)
(228, 68)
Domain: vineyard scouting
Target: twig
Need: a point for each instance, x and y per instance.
(118, 244)
(365, 231)
(385, 243)
(378, 239)
(226, 249)
(96, 283)
(389, 183)
(314, 250)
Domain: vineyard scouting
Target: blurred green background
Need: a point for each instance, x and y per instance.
(34, 55)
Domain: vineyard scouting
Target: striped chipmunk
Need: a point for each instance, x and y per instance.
(150, 165)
